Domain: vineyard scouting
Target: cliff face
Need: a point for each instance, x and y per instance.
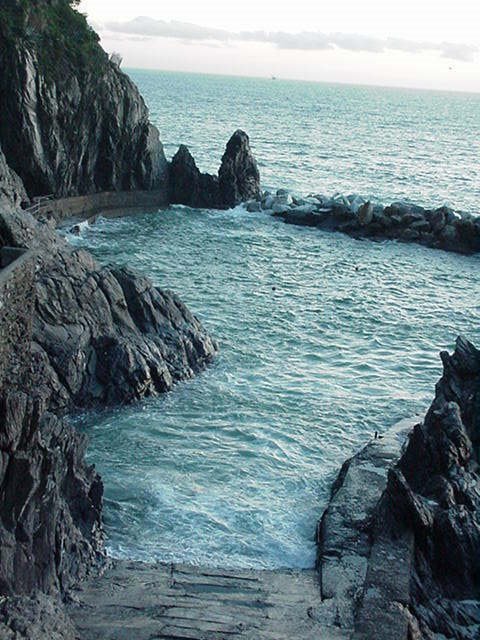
(75, 123)
(50, 500)
(72, 334)
(434, 493)
(12, 191)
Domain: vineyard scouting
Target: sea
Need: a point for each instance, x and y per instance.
(323, 339)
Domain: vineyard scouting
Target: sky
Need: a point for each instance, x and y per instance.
(431, 44)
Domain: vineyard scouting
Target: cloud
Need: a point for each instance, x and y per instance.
(305, 40)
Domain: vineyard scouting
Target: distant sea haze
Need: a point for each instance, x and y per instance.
(388, 144)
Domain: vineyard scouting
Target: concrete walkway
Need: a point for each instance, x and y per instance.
(135, 601)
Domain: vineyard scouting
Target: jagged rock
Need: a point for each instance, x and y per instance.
(90, 321)
(238, 177)
(76, 123)
(399, 544)
(50, 500)
(188, 185)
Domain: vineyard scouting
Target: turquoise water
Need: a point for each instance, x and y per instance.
(387, 143)
(324, 339)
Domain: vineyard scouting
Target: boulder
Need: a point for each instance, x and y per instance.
(254, 206)
(365, 213)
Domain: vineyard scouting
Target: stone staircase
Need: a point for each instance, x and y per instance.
(135, 601)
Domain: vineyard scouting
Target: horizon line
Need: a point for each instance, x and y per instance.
(310, 81)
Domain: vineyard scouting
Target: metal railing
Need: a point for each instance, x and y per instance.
(40, 203)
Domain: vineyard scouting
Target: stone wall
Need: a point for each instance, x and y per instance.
(17, 299)
(97, 203)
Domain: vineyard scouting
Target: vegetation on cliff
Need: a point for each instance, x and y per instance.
(75, 124)
(58, 32)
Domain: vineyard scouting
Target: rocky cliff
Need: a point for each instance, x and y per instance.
(50, 499)
(399, 545)
(72, 122)
(102, 336)
(82, 335)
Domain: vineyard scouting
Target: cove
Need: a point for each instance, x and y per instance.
(323, 340)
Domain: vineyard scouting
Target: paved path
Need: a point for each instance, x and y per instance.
(135, 601)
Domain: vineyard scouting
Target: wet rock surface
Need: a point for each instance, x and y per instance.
(238, 178)
(441, 228)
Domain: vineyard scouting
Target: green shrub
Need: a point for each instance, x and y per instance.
(57, 32)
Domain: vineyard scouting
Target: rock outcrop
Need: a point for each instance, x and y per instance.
(441, 228)
(103, 335)
(50, 499)
(434, 494)
(188, 185)
(238, 178)
(399, 545)
(75, 123)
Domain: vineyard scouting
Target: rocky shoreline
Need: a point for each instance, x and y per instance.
(399, 544)
(441, 228)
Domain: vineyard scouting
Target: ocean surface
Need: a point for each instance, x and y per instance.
(323, 339)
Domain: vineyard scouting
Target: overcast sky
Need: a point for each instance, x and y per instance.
(414, 43)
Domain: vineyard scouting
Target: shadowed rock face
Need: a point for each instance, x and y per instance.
(399, 545)
(103, 336)
(188, 185)
(238, 177)
(50, 500)
(12, 191)
(434, 492)
(76, 124)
